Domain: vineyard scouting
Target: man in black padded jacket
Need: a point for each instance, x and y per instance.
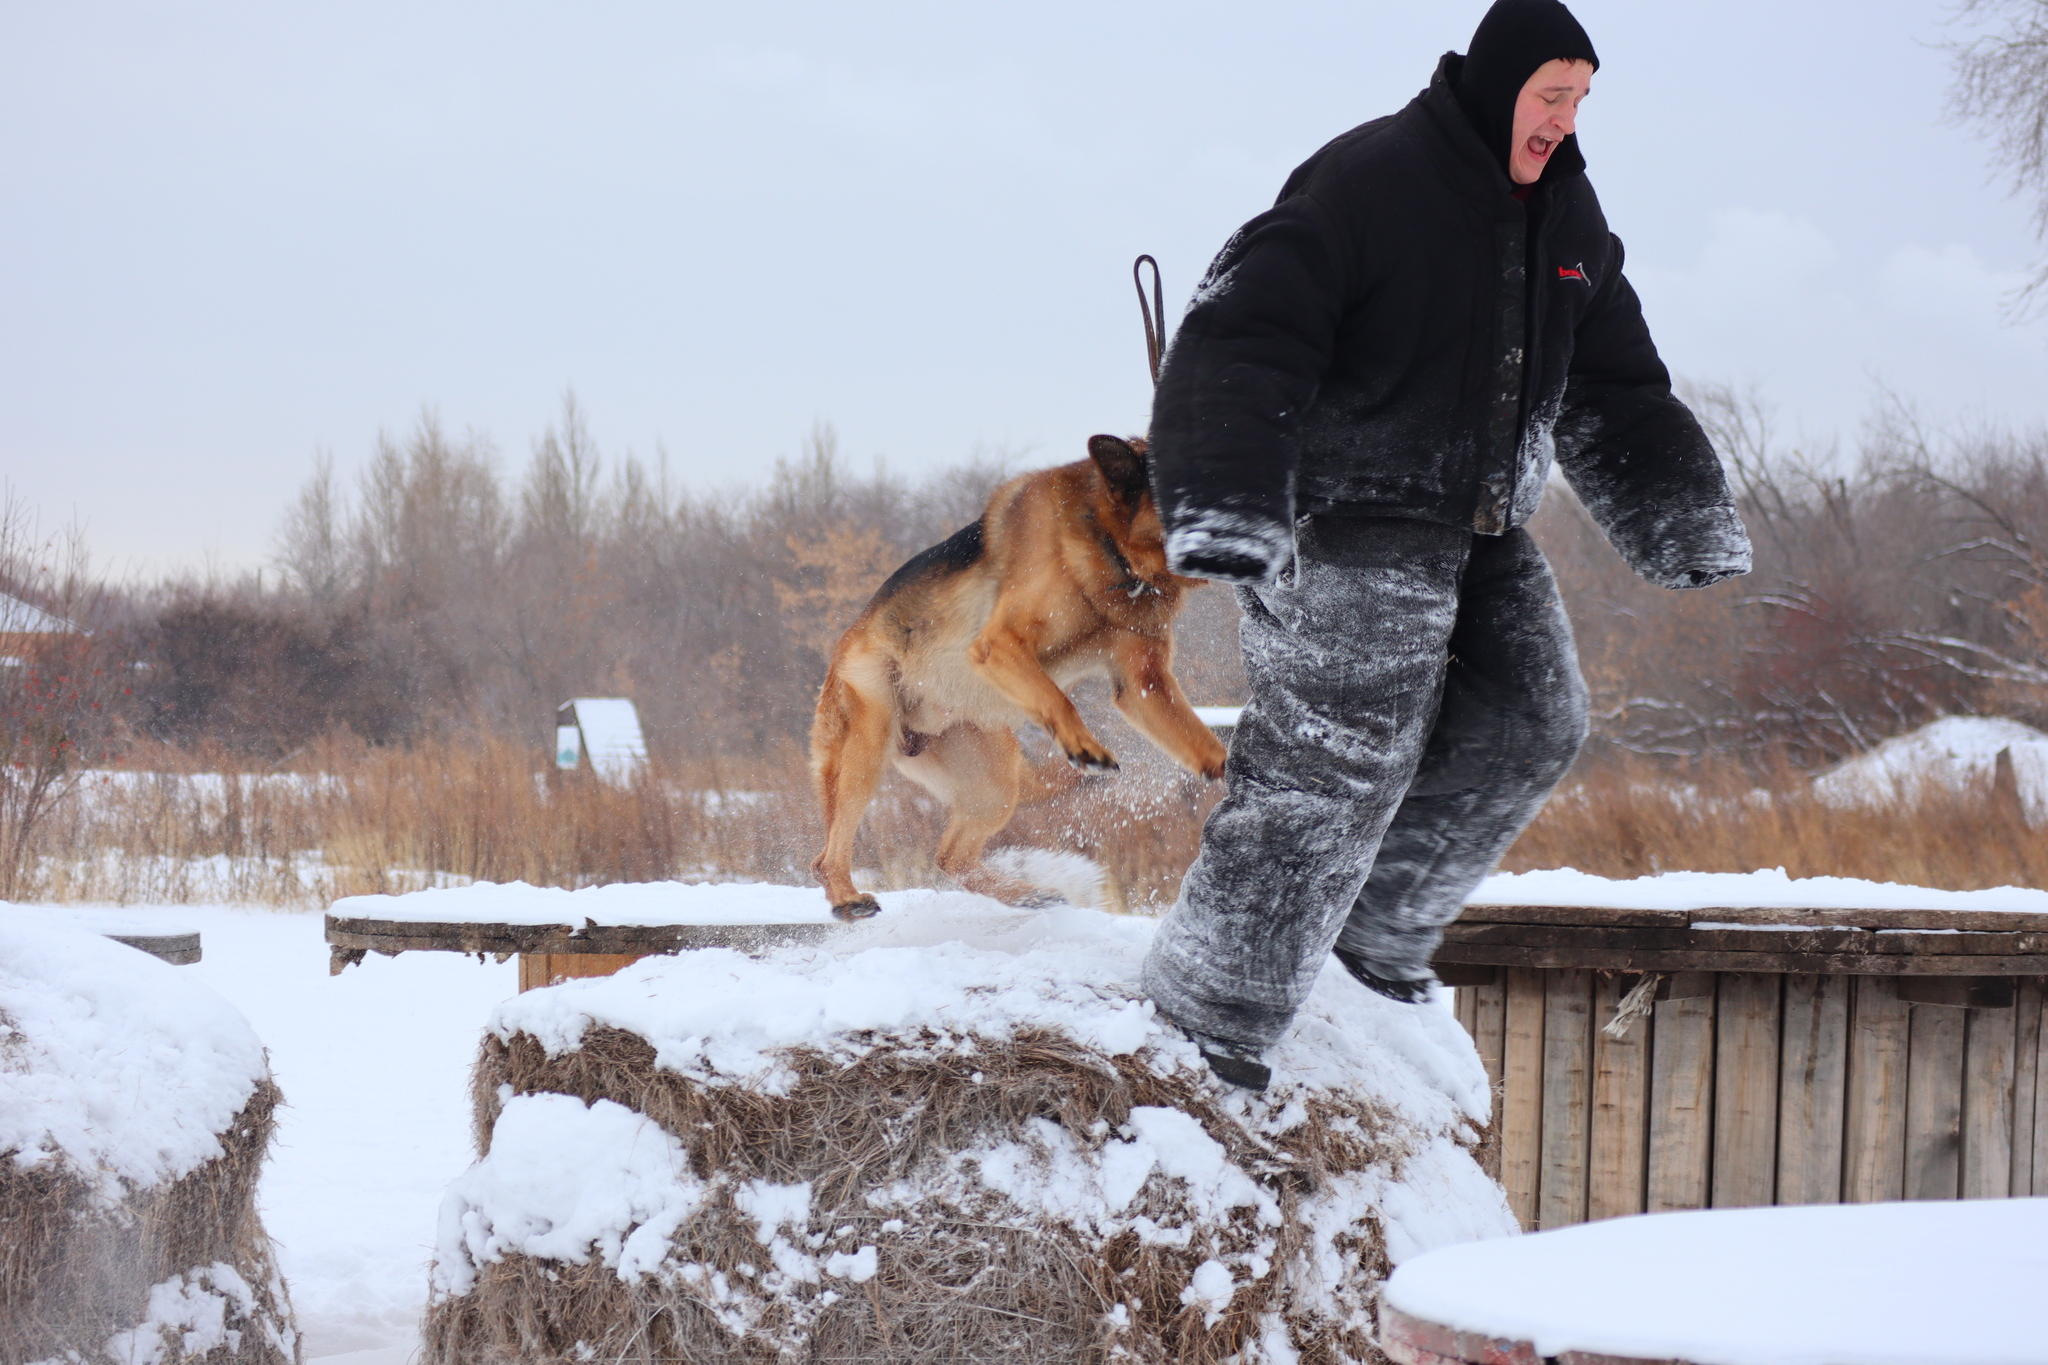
(1355, 420)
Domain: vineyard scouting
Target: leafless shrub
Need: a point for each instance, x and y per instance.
(2001, 86)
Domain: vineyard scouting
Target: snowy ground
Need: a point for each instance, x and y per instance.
(374, 1065)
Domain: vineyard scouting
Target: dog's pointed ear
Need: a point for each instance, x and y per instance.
(1122, 463)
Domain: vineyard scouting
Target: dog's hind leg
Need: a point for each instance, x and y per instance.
(850, 739)
(975, 771)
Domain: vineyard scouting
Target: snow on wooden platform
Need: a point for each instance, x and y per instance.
(621, 903)
(664, 903)
(1962, 1283)
(1766, 889)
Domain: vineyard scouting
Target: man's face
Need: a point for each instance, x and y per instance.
(1546, 112)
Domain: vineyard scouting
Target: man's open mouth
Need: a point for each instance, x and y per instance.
(1539, 147)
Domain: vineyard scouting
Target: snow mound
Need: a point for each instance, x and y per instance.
(136, 1107)
(1953, 754)
(957, 1128)
(1774, 1286)
(110, 1061)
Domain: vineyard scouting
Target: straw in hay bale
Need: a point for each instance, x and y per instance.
(958, 1137)
(136, 1108)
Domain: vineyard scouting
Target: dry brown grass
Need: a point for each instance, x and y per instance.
(349, 818)
(1634, 818)
(75, 1271)
(977, 1284)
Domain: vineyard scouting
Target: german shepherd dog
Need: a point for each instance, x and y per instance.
(1063, 578)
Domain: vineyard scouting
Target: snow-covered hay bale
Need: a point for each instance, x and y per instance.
(135, 1112)
(954, 1135)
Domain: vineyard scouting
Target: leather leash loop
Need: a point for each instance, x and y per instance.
(1154, 313)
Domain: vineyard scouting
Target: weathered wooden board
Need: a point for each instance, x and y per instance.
(1681, 1103)
(1521, 1106)
(1570, 914)
(1934, 1102)
(1874, 1146)
(544, 969)
(2040, 1089)
(349, 938)
(1567, 1097)
(1812, 1089)
(1989, 1050)
(180, 950)
(1714, 939)
(1993, 921)
(1620, 1121)
(1746, 1090)
(1489, 1030)
(2029, 1132)
(1696, 959)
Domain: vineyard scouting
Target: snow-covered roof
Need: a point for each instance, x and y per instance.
(1955, 753)
(1928, 1283)
(611, 735)
(19, 618)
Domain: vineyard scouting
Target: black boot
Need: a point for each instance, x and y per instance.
(1407, 990)
(1237, 1063)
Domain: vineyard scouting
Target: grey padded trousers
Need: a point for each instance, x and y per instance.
(1415, 695)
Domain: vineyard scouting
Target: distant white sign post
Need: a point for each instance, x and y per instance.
(606, 730)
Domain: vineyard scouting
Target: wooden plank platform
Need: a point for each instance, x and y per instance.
(349, 939)
(1815, 1057)
(180, 950)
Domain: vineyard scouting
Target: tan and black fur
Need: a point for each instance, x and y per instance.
(1063, 578)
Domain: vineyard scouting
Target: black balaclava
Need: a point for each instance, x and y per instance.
(1515, 38)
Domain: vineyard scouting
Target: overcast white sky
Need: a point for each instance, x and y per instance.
(234, 234)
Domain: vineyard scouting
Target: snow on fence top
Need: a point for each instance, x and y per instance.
(111, 1061)
(664, 903)
(618, 903)
(1762, 890)
(1949, 1283)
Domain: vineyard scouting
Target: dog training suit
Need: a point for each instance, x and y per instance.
(1359, 412)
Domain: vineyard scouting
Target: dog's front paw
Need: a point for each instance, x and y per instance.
(1213, 771)
(1096, 760)
(860, 907)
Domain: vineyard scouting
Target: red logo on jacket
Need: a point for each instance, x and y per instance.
(1574, 272)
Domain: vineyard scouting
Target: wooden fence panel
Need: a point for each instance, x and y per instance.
(1988, 1055)
(1521, 1106)
(1812, 1089)
(1934, 1102)
(1621, 1107)
(1746, 1089)
(1874, 1150)
(2030, 1097)
(1567, 1097)
(1681, 1103)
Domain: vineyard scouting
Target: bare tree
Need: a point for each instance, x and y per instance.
(58, 683)
(2001, 86)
